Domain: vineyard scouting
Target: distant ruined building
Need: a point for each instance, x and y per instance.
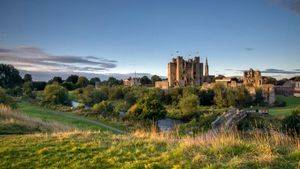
(252, 78)
(185, 72)
(181, 72)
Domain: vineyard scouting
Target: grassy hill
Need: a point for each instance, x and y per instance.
(53, 145)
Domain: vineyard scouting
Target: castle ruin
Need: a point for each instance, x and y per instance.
(185, 72)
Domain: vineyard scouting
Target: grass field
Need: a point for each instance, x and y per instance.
(69, 119)
(291, 104)
(147, 150)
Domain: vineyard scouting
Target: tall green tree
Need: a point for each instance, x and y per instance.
(145, 80)
(55, 94)
(82, 81)
(9, 76)
(72, 79)
(27, 78)
(155, 78)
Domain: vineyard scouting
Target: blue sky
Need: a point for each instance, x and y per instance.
(142, 35)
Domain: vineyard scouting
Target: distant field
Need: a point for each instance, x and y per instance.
(292, 104)
(65, 118)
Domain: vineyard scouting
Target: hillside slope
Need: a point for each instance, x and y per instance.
(147, 150)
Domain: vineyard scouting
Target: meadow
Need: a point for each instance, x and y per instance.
(85, 148)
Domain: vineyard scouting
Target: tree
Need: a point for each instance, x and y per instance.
(90, 96)
(39, 85)
(259, 98)
(145, 80)
(27, 78)
(105, 108)
(56, 79)
(69, 85)
(155, 78)
(230, 97)
(72, 79)
(189, 106)
(55, 94)
(111, 81)
(9, 76)
(82, 81)
(244, 98)
(28, 90)
(220, 96)
(148, 107)
(94, 81)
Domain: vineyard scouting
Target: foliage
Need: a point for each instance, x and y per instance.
(27, 78)
(148, 107)
(28, 90)
(72, 79)
(9, 76)
(90, 96)
(55, 94)
(69, 86)
(111, 81)
(5, 99)
(206, 97)
(94, 80)
(155, 78)
(104, 108)
(82, 81)
(116, 93)
(259, 98)
(15, 92)
(189, 106)
(291, 123)
(39, 85)
(145, 80)
(55, 79)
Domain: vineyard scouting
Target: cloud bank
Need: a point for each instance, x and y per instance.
(30, 58)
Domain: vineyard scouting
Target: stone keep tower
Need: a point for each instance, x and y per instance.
(185, 72)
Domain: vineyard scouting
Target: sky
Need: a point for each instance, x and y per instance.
(127, 36)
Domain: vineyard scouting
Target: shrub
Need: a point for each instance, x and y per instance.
(90, 96)
(27, 90)
(291, 123)
(5, 99)
(148, 107)
(105, 108)
(55, 94)
(189, 106)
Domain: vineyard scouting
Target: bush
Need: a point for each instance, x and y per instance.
(55, 94)
(104, 108)
(27, 90)
(189, 106)
(6, 100)
(90, 96)
(148, 107)
(291, 124)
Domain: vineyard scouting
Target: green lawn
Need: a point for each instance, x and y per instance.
(70, 119)
(291, 104)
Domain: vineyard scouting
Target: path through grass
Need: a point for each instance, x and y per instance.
(65, 118)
